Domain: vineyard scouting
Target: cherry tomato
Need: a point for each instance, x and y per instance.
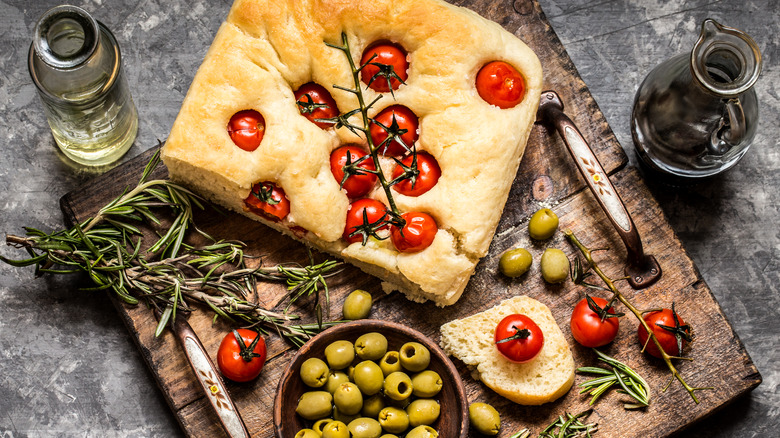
(374, 210)
(241, 361)
(246, 129)
(670, 330)
(315, 102)
(587, 327)
(267, 199)
(416, 235)
(500, 84)
(518, 338)
(395, 118)
(392, 66)
(356, 185)
(429, 173)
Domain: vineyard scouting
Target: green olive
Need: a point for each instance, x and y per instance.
(373, 405)
(371, 346)
(335, 378)
(390, 363)
(414, 356)
(335, 429)
(423, 411)
(368, 377)
(365, 428)
(421, 432)
(484, 418)
(307, 433)
(339, 354)
(400, 404)
(320, 424)
(398, 386)
(314, 405)
(555, 265)
(394, 420)
(344, 418)
(314, 372)
(388, 435)
(348, 398)
(357, 305)
(351, 373)
(543, 224)
(426, 383)
(515, 262)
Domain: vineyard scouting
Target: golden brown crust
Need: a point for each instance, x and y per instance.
(266, 49)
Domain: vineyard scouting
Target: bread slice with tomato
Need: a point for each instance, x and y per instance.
(248, 87)
(543, 379)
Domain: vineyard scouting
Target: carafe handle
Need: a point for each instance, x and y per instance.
(731, 130)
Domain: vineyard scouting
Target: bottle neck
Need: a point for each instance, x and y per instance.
(66, 37)
(725, 61)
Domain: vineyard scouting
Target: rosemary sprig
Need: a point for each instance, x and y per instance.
(570, 426)
(629, 381)
(610, 286)
(108, 246)
(565, 426)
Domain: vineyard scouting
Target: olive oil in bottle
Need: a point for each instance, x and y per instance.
(76, 65)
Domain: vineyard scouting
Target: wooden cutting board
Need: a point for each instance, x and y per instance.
(546, 177)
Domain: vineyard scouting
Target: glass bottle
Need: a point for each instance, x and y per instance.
(75, 63)
(695, 115)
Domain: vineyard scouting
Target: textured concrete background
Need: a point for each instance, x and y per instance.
(67, 365)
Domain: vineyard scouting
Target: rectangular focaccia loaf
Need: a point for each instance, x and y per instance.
(267, 49)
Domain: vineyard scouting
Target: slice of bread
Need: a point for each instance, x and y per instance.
(544, 379)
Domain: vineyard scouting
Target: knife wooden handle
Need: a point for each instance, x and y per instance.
(210, 380)
(642, 270)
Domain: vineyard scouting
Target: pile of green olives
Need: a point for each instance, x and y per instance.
(554, 263)
(365, 390)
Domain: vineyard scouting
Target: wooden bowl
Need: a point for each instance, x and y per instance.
(453, 420)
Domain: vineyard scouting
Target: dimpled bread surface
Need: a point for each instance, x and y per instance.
(543, 379)
(267, 49)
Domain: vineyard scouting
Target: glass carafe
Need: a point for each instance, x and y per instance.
(76, 65)
(695, 115)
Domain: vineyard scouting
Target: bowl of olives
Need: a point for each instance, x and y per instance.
(370, 378)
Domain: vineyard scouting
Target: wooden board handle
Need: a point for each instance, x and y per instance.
(642, 270)
(209, 378)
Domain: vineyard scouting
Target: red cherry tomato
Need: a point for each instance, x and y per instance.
(500, 84)
(672, 336)
(310, 99)
(429, 173)
(518, 338)
(587, 327)
(241, 363)
(374, 210)
(416, 235)
(395, 118)
(356, 185)
(246, 129)
(387, 55)
(267, 199)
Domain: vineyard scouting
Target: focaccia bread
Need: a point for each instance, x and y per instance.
(268, 49)
(545, 378)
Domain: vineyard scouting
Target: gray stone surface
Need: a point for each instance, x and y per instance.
(67, 364)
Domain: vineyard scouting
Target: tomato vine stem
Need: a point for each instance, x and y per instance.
(610, 285)
(373, 149)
